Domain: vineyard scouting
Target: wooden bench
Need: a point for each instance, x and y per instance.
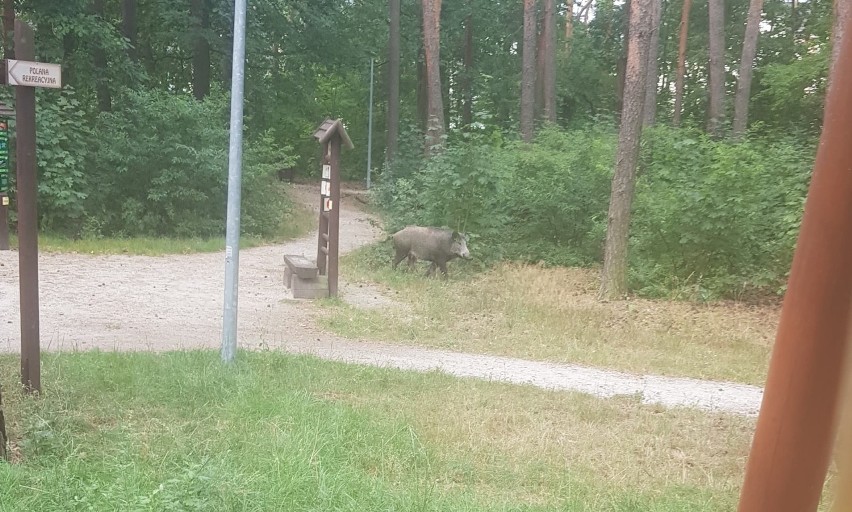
(301, 276)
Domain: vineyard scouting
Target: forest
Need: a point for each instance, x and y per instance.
(508, 120)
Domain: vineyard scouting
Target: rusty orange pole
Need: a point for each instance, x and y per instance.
(843, 499)
(795, 431)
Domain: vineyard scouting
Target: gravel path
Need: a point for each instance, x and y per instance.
(175, 302)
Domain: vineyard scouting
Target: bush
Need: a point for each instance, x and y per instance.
(161, 169)
(711, 218)
(720, 217)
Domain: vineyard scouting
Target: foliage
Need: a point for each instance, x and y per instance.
(722, 218)
(711, 218)
(162, 182)
(173, 182)
(64, 159)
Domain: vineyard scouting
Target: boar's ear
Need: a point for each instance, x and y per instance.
(456, 236)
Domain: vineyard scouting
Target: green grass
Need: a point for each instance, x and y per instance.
(553, 314)
(179, 431)
(298, 224)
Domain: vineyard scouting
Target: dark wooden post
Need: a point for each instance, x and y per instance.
(3, 436)
(27, 216)
(334, 217)
(322, 238)
(332, 135)
(795, 431)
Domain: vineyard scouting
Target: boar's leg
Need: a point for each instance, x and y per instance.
(443, 266)
(400, 255)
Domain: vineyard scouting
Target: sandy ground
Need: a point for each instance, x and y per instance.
(175, 302)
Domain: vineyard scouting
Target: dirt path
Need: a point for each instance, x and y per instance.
(175, 302)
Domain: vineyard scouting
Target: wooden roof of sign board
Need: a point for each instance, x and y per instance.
(328, 128)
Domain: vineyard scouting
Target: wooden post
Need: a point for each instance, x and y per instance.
(796, 428)
(3, 436)
(27, 178)
(332, 135)
(334, 217)
(322, 245)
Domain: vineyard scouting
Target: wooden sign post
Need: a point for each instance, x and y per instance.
(331, 134)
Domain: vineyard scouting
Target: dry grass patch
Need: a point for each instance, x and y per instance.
(535, 438)
(553, 314)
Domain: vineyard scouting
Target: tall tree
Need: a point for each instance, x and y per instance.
(649, 115)
(569, 24)
(716, 111)
(548, 49)
(432, 47)
(681, 62)
(467, 77)
(528, 72)
(614, 274)
(200, 18)
(743, 94)
(129, 25)
(8, 28)
(99, 58)
(393, 82)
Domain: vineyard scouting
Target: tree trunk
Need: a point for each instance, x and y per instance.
(432, 47)
(422, 91)
(539, 75)
(716, 111)
(621, 65)
(614, 274)
(200, 20)
(8, 29)
(746, 66)
(528, 72)
(99, 58)
(649, 111)
(681, 62)
(467, 78)
(393, 82)
(549, 60)
(569, 26)
(129, 26)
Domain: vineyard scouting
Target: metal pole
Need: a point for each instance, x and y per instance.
(370, 130)
(25, 102)
(795, 431)
(235, 156)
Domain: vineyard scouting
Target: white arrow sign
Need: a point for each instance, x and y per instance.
(33, 74)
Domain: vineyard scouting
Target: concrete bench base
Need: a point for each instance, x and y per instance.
(302, 277)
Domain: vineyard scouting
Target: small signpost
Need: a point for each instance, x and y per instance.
(331, 134)
(306, 280)
(26, 75)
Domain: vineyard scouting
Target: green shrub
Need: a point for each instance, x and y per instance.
(161, 169)
(717, 216)
(711, 218)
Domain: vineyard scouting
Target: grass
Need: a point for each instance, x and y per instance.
(178, 431)
(298, 224)
(553, 314)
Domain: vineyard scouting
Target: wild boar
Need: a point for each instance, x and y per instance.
(437, 245)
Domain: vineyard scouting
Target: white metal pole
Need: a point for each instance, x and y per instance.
(235, 156)
(370, 130)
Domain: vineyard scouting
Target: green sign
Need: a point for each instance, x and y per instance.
(4, 156)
